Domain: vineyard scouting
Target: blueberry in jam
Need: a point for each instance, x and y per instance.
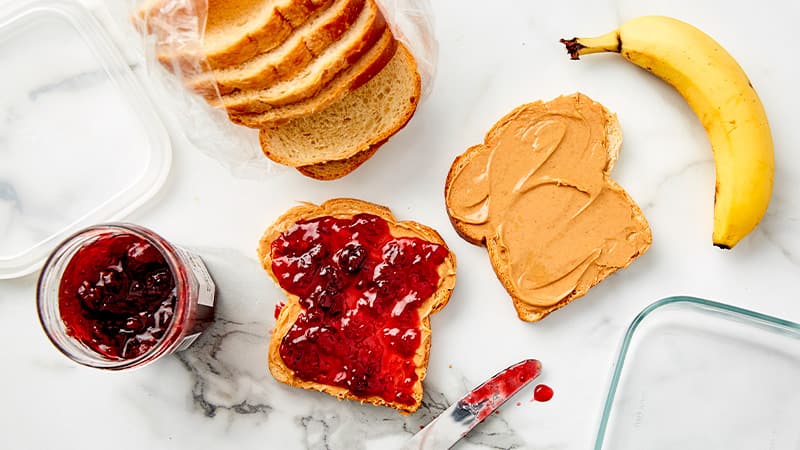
(117, 296)
(360, 289)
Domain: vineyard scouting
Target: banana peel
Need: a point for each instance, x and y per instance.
(721, 95)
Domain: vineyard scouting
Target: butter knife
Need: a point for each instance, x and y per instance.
(457, 420)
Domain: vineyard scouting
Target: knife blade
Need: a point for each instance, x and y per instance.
(457, 420)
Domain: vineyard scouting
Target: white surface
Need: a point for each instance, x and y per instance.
(492, 58)
(55, 180)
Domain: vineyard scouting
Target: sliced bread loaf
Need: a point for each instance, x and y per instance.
(356, 125)
(235, 30)
(351, 259)
(358, 74)
(361, 36)
(306, 43)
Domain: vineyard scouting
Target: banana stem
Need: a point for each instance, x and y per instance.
(609, 42)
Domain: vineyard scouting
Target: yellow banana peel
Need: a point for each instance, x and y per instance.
(724, 100)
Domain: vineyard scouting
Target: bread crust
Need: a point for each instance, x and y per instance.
(296, 54)
(458, 165)
(275, 29)
(335, 169)
(298, 11)
(361, 72)
(254, 97)
(525, 311)
(345, 208)
(331, 169)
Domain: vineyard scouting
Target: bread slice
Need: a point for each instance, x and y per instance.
(235, 30)
(359, 73)
(333, 142)
(554, 225)
(362, 35)
(293, 55)
(333, 170)
(346, 209)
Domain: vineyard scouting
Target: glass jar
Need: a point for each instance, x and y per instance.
(106, 300)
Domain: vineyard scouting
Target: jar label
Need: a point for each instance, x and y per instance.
(187, 342)
(206, 287)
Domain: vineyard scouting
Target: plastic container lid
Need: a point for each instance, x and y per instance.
(697, 375)
(79, 141)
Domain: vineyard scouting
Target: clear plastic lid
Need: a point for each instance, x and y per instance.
(79, 141)
(697, 375)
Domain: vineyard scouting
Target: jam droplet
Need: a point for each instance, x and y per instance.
(542, 393)
(360, 289)
(117, 296)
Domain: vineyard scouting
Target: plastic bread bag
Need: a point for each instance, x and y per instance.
(182, 41)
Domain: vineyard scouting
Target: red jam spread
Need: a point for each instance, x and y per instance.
(360, 289)
(117, 296)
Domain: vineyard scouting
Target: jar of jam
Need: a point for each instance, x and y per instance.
(118, 296)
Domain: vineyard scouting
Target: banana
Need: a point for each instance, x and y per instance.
(722, 97)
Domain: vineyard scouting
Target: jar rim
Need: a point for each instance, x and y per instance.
(47, 302)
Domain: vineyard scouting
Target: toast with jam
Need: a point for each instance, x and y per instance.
(360, 288)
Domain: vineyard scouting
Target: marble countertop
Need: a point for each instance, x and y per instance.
(219, 394)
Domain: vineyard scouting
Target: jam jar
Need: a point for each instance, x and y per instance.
(119, 296)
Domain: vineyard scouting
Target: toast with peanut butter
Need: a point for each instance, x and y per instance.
(360, 288)
(538, 194)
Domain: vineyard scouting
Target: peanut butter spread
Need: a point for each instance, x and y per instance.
(538, 193)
